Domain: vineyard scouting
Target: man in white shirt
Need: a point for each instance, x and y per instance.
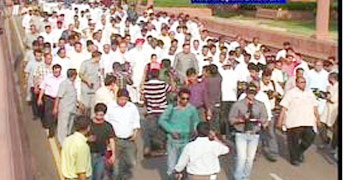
(229, 95)
(317, 79)
(49, 90)
(107, 60)
(282, 53)
(48, 35)
(121, 55)
(125, 119)
(201, 155)
(63, 61)
(253, 47)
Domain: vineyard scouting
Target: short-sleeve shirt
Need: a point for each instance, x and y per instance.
(68, 95)
(91, 71)
(300, 107)
(103, 133)
(240, 108)
(75, 156)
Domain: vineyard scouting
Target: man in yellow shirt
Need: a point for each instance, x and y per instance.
(75, 154)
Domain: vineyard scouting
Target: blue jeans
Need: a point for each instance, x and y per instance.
(174, 149)
(246, 145)
(98, 166)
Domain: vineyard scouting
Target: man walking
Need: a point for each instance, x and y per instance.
(300, 116)
(201, 155)
(179, 122)
(48, 92)
(247, 116)
(65, 105)
(125, 119)
(75, 153)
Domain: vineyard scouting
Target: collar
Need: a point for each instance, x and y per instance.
(80, 135)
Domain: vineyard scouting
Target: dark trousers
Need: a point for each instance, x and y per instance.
(299, 139)
(49, 120)
(37, 111)
(225, 107)
(154, 135)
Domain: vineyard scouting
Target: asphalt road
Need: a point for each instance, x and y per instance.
(315, 167)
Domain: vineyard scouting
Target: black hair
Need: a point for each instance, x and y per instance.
(203, 129)
(183, 91)
(71, 73)
(100, 107)
(57, 66)
(81, 122)
(109, 79)
(191, 71)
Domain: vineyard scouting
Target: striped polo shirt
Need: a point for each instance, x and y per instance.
(155, 93)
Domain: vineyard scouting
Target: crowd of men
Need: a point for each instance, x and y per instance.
(91, 67)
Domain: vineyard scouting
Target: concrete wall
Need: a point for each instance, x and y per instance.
(14, 152)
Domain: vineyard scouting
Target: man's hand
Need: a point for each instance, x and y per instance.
(55, 111)
(111, 160)
(175, 135)
(39, 102)
(178, 175)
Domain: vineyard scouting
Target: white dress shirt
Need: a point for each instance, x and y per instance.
(229, 84)
(123, 119)
(201, 157)
(50, 85)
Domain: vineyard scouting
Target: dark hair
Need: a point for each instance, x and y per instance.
(183, 91)
(100, 107)
(61, 49)
(252, 66)
(123, 93)
(203, 129)
(57, 66)
(190, 71)
(166, 63)
(81, 122)
(267, 72)
(154, 74)
(109, 79)
(213, 69)
(71, 73)
(334, 75)
(152, 55)
(96, 54)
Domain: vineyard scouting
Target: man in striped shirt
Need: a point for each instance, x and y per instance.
(155, 96)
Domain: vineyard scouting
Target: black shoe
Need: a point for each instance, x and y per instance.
(295, 163)
(271, 158)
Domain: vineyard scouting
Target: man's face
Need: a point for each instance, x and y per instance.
(48, 59)
(78, 47)
(186, 49)
(193, 78)
(266, 79)
(48, 29)
(123, 47)
(59, 25)
(253, 73)
(299, 73)
(196, 44)
(121, 101)
(278, 65)
(183, 99)
(57, 72)
(154, 59)
(62, 53)
(213, 50)
(301, 83)
(318, 66)
(106, 48)
(99, 116)
(204, 51)
(33, 28)
(251, 95)
(38, 56)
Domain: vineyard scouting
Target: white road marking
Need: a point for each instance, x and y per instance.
(275, 177)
